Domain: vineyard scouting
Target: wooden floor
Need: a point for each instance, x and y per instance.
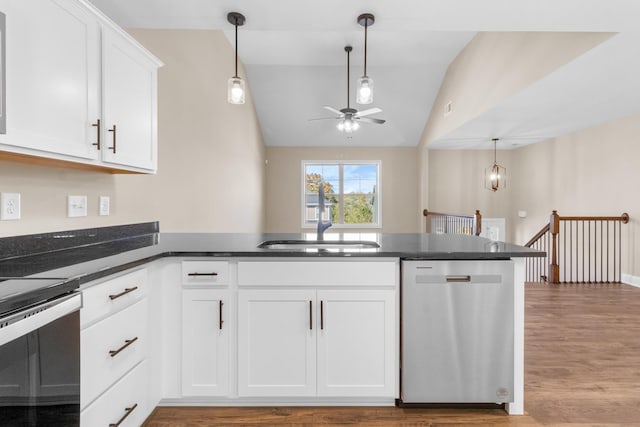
(582, 368)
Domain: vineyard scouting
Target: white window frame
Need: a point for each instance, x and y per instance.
(378, 165)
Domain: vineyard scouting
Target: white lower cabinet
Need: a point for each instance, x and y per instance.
(309, 338)
(276, 343)
(116, 353)
(124, 404)
(110, 348)
(356, 343)
(205, 342)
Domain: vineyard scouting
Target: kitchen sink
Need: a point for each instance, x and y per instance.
(318, 244)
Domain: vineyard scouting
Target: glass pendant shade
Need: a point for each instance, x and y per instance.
(364, 94)
(235, 90)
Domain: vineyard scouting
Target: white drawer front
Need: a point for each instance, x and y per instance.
(99, 366)
(205, 272)
(105, 298)
(317, 273)
(130, 392)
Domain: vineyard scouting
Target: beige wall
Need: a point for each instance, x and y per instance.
(592, 172)
(211, 155)
(495, 66)
(399, 172)
(456, 183)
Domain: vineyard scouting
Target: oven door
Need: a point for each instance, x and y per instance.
(40, 365)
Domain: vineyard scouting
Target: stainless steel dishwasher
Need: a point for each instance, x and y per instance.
(457, 332)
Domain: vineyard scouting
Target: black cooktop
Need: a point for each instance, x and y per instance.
(18, 293)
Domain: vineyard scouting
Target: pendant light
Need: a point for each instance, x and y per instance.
(495, 177)
(365, 83)
(235, 86)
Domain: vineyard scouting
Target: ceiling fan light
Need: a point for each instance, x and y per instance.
(364, 94)
(235, 91)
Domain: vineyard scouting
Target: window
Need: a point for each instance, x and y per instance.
(352, 193)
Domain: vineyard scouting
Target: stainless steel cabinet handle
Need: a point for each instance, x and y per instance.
(202, 274)
(127, 343)
(220, 321)
(97, 125)
(321, 315)
(310, 315)
(113, 129)
(458, 279)
(126, 291)
(127, 412)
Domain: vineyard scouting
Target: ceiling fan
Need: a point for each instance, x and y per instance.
(349, 117)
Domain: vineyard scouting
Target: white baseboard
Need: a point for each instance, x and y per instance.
(275, 401)
(631, 280)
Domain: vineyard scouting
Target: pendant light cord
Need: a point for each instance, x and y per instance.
(236, 25)
(348, 75)
(366, 26)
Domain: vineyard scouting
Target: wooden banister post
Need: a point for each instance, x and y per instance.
(554, 229)
(425, 213)
(478, 223)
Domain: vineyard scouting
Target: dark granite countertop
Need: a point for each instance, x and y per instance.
(105, 251)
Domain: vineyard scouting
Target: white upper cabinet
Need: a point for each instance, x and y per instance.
(52, 78)
(71, 75)
(129, 100)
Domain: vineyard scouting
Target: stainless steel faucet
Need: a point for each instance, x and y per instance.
(321, 225)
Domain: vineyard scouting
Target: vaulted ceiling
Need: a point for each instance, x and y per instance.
(293, 54)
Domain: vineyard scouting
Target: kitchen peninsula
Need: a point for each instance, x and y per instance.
(220, 321)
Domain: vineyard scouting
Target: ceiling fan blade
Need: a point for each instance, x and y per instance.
(333, 110)
(371, 120)
(368, 112)
(324, 118)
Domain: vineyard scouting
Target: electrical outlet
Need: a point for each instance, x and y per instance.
(103, 209)
(76, 206)
(10, 206)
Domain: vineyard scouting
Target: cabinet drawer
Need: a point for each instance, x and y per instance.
(317, 273)
(205, 272)
(130, 392)
(105, 298)
(101, 364)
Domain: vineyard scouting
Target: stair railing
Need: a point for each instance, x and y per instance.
(580, 249)
(440, 223)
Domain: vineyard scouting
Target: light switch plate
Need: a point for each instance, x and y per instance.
(76, 206)
(103, 204)
(10, 206)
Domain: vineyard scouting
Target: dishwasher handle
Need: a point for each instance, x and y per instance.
(458, 279)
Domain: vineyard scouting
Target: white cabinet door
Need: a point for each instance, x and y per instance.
(129, 102)
(205, 342)
(276, 343)
(356, 343)
(52, 78)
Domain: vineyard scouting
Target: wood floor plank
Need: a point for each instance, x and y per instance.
(582, 368)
